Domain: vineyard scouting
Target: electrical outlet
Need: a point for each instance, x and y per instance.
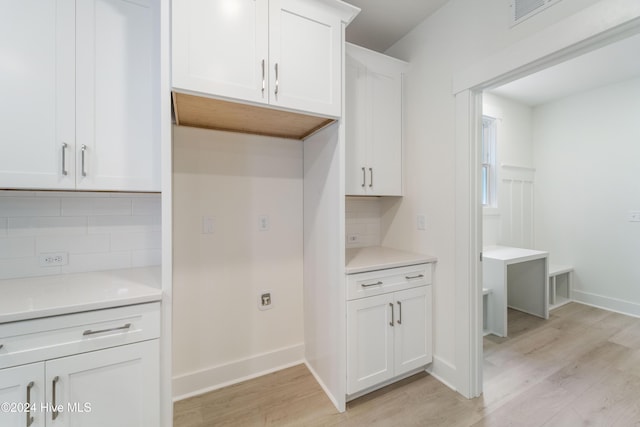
(53, 259)
(634, 216)
(421, 222)
(265, 300)
(263, 223)
(352, 238)
(208, 225)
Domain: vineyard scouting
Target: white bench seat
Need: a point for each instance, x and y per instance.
(559, 295)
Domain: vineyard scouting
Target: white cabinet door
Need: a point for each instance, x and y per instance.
(117, 140)
(113, 387)
(413, 347)
(18, 386)
(373, 120)
(384, 126)
(355, 129)
(369, 342)
(37, 80)
(305, 56)
(220, 47)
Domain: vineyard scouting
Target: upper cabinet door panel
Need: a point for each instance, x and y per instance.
(220, 46)
(355, 115)
(304, 46)
(116, 102)
(385, 127)
(37, 87)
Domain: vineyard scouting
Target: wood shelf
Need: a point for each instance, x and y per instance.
(211, 113)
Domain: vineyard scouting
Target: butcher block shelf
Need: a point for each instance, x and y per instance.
(211, 113)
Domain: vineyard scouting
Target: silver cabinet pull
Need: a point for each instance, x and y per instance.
(119, 328)
(419, 276)
(84, 150)
(53, 397)
(392, 316)
(264, 81)
(277, 81)
(366, 285)
(399, 313)
(64, 158)
(1, 345)
(371, 177)
(364, 177)
(28, 411)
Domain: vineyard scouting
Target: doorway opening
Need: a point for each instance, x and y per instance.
(469, 96)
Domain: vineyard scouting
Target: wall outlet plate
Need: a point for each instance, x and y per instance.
(53, 259)
(634, 216)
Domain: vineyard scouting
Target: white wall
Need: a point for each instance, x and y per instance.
(458, 35)
(511, 222)
(98, 231)
(219, 335)
(587, 151)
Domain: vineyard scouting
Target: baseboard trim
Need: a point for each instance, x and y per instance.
(332, 398)
(444, 372)
(216, 377)
(606, 303)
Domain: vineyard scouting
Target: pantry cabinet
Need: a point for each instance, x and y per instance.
(98, 368)
(389, 333)
(282, 53)
(80, 107)
(373, 122)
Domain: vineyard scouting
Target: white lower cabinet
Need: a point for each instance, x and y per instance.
(388, 335)
(115, 386)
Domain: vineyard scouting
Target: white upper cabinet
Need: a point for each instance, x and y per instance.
(305, 57)
(285, 53)
(221, 47)
(37, 78)
(373, 121)
(116, 104)
(80, 110)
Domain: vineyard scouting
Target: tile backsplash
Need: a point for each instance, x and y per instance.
(362, 222)
(97, 231)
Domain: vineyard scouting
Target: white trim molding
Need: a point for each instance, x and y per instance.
(216, 377)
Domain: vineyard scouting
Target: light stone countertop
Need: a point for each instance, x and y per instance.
(359, 260)
(35, 297)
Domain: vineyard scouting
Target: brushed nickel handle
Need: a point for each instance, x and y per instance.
(392, 314)
(1, 345)
(366, 285)
(371, 177)
(264, 81)
(28, 411)
(119, 328)
(84, 150)
(399, 313)
(53, 397)
(364, 177)
(277, 81)
(419, 276)
(64, 158)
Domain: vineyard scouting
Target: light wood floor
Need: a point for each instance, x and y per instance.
(581, 367)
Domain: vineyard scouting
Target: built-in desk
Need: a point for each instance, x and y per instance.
(515, 278)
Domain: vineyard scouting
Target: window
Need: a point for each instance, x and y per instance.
(489, 162)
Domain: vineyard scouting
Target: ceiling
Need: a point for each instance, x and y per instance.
(383, 22)
(610, 64)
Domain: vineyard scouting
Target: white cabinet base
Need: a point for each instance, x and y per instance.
(390, 334)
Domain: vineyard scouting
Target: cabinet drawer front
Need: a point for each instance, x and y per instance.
(390, 280)
(39, 339)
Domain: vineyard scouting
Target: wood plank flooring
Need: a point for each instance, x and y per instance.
(581, 367)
